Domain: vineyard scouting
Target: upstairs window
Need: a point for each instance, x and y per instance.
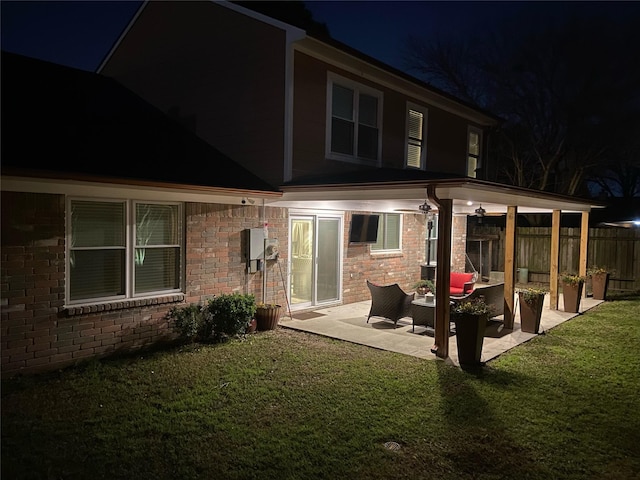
(123, 249)
(353, 125)
(416, 135)
(473, 151)
(389, 233)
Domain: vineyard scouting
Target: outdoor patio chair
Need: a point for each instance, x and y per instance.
(389, 302)
(461, 283)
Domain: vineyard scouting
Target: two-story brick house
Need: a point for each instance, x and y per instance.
(330, 132)
(292, 107)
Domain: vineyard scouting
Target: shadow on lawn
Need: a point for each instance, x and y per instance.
(477, 441)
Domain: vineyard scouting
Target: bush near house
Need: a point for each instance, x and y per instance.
(223, 316)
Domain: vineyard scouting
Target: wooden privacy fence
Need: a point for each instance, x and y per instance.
(618, 249)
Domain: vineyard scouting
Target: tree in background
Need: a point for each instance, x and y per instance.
(568, 91)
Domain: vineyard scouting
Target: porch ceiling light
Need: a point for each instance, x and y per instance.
(480, 212)
(425, 208)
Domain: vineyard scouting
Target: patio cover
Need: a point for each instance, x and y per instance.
(403, 190)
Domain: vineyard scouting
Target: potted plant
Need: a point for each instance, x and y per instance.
(470, 317)
(267, 316)
(572, 286)
(599, 281)
(424, 286)
(531, 301)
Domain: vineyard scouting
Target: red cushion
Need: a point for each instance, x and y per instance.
(458, 279)
(456, 291)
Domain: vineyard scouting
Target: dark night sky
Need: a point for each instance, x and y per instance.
(80, 33)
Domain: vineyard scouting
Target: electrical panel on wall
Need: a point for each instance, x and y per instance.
(254, 243)
(257, 249)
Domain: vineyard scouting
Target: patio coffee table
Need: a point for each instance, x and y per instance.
(423, 312)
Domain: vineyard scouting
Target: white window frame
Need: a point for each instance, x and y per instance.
(383, 223)
(357, 88)
(478, 157)
(433, 240)
(130, 249)
(423, 147)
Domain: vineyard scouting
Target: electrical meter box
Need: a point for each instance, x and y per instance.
(257, 248)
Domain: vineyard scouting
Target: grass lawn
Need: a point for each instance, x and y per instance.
(290, 405)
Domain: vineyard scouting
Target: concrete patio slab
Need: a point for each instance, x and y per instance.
(349, 323)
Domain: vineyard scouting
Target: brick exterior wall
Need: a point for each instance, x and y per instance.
(38, 333)
(458, 243)
(215, 260)
(402, 268)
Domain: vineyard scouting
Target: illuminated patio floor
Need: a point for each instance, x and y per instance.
(349, 323)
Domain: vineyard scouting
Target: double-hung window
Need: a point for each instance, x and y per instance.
(389, 233)
(416, 136)
(354, 114)
(474, 149)
(121, 249)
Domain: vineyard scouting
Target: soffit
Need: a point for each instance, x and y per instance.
(139, 190)
(405, 197)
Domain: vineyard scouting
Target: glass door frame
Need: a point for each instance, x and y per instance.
(315, 216)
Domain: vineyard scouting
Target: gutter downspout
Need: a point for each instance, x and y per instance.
(443, 272)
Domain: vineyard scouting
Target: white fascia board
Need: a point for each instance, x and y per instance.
(176, 193)
(345, 61)
(122, 35)
(293, 33)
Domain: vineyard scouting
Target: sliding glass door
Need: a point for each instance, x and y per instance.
(316, 252)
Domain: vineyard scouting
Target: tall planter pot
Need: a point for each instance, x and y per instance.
(268, 317)
(470, 330)
(572, 294)
(599, 285)
(530, 312)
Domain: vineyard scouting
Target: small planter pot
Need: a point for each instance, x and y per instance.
(268, 317)
(470, 330)
(253, 325)
(530, 313)
(599, 285)
(572, 293)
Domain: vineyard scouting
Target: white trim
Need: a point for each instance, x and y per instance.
(385, 78)
(423, 152)
(129, 250)
(471, 129)
(144, 192)
(315, 215)
(293, 33)
(358, 88)
(122, 36)
(373, 251)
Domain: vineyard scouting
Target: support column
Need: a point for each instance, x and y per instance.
(554, 263)
(443, 272)
(510, 267)
(584, 251)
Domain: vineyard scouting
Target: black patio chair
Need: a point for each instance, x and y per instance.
(389, 302)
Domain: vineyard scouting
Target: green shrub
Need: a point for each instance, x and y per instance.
(187, 321)
(229, 314)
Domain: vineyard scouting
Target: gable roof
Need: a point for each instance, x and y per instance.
(60, 122)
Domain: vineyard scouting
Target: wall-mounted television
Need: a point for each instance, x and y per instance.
(364, 228)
